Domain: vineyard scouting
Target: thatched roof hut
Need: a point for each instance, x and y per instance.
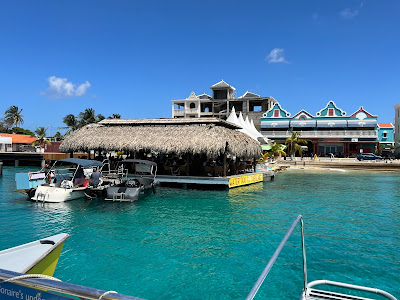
(210, 136)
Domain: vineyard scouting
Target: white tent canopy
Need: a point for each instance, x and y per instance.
(247, 125)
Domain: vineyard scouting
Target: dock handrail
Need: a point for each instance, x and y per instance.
(271, 262)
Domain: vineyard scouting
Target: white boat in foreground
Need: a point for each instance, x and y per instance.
(38, 257)
(67, 180)
(309, 291)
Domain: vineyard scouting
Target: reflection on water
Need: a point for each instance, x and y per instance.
(240, 193)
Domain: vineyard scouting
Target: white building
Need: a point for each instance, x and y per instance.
(220, 104)
(5, 144)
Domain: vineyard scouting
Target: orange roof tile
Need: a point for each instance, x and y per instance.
(20, 138)
(385, 125)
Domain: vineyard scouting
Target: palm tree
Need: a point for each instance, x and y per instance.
(72, 123)
(40, 133)
(87, 117)
(116, 116)
(58, 136)
(13, 115)
(100, 117)
(277, 150)
(293, 144)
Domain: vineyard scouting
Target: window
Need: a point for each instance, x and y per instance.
(192, 105)
(384, 134)
(276, 113)
(302, 118)
(220, 94)
(330, 112)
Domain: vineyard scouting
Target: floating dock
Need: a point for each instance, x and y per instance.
(224, 182)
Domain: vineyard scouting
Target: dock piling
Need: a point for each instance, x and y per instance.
(1, 168)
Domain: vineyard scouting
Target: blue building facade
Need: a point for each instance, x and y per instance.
(386, 134)
(330, 130)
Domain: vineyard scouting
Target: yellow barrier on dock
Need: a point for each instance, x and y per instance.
(244, 180)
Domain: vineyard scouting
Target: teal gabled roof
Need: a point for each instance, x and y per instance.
(337, 112)
(282, 113)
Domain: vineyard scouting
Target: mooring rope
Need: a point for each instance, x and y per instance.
(106, 293)
(38, 276)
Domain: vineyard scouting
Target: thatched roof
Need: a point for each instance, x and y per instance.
(210, 136)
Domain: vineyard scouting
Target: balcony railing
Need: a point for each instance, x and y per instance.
(324, 134)
(192, 110)
(179, 112)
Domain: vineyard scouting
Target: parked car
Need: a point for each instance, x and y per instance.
(368, 156)
(388, 154)
(27, 148)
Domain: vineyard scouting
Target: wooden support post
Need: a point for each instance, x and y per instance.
(225, 164)
(1, 168)
(16, 163)
(187, 163)
(71, 155)
(254, 164)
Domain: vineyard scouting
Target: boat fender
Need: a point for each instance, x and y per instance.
(153, 186)
(31, 192)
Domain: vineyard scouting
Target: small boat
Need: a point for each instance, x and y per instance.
(67, 181)
(137, 180)
(309, 291)
(38, 257)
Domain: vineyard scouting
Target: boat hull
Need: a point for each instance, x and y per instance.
(38, 257)
(54, 194)
(124, 192)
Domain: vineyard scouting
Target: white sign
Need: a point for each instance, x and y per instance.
(354, 139)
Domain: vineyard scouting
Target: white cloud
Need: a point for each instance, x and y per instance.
(348, 13)
(61, 88)
(81, 89)
(276, 56)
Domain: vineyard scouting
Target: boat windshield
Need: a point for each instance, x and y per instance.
(64, 171)
(138, 168)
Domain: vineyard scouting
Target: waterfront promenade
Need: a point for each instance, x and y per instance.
(342, 163)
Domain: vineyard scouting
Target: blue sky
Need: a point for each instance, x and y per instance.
(134, 57)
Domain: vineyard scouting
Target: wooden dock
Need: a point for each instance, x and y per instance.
(32, 158)
(223, 182)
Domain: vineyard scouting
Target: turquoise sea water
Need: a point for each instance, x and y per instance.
(196, 244)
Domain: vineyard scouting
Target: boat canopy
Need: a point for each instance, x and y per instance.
(86, 163)
(139, 161)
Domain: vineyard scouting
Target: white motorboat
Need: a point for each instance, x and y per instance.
(309, 291)
(38, 257)
(66, 181)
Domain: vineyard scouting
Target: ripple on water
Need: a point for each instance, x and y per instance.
(192, 244)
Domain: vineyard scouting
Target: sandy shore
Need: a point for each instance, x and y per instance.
(342, 163)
